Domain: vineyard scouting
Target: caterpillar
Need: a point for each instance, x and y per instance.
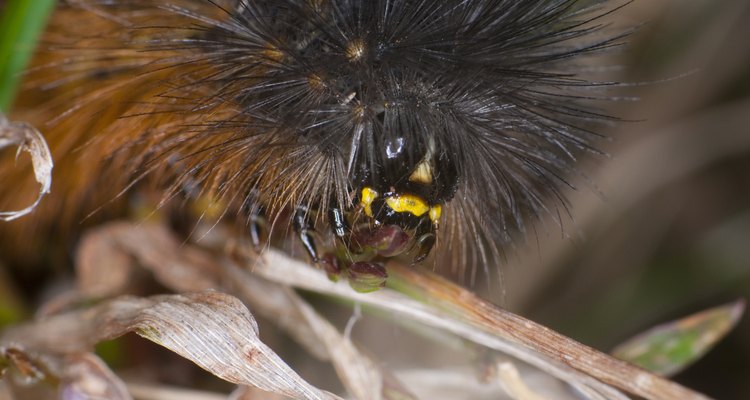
(380, 127)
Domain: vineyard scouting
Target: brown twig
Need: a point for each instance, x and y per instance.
(465, 305)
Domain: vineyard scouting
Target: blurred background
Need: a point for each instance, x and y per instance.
(664, 229)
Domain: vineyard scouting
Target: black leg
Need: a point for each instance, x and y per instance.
(257, 220)
(426, 238)
(338, 222)
(256, 217)
(304, 230)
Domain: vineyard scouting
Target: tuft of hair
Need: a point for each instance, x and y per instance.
(277, 104)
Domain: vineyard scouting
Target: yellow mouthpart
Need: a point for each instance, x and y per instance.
(410, 203)
(368, 196)
(435, 212)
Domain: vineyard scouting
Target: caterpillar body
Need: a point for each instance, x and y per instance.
(397, 125)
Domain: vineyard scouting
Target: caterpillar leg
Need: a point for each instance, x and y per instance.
(339, 225)
(426, 237)
(305, 230)
(257, 221)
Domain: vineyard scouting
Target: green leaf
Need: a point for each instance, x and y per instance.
(669, 348)
(20, 27)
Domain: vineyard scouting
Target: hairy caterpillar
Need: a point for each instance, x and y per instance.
(396, 125)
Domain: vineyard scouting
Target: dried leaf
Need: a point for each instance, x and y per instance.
(459, 311)
(452, 309)
(28, 375)
(86, 377)
(213, 330)
(180, 267)
(26, 367)
(274, 301)
(251, 393)
(218, 333)
(280, 268)
(186, 267)
(360, 375)
(454, 384)
(462, 384)
(159, 392)
(514, 385)
(28, 139)
(669, 348)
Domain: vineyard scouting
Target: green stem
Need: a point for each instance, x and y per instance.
(20, 27)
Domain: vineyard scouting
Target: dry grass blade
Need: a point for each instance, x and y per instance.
(514, 384)
(23, 366)
(104, 260)
(50, 375)
(459, 311)
(251, 393)
(213, 330)
(88, 377)
(462, 384)
(152, 392)
(181, 267)
(465, 306)
(361, 376)
(28, 139)
(279, 304)
(217, 332)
